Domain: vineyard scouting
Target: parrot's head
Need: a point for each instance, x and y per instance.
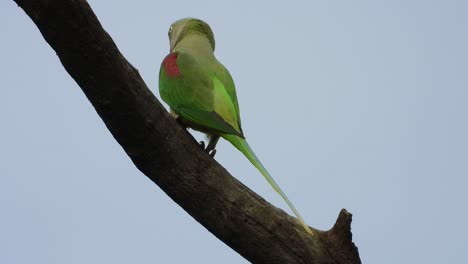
(187, 27)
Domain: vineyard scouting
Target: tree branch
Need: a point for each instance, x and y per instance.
(169, 156)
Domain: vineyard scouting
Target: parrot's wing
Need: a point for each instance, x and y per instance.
(198, 95)
(225, 77)
(208, 119)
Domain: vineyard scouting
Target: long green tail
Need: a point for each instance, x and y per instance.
(242, 145)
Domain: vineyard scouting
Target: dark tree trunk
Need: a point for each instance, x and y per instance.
(169, 156)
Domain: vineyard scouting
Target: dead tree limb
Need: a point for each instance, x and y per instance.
(169, 156)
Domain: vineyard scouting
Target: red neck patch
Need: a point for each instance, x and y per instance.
(170, 65)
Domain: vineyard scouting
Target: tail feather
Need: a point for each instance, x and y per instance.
(242, 145)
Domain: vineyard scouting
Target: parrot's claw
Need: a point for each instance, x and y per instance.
(202, 144)
(212, 153)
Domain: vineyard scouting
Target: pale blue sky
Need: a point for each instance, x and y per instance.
(354, 104)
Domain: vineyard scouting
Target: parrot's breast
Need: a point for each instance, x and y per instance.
(170, 65)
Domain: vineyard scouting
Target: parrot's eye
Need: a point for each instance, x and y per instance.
(170, 30)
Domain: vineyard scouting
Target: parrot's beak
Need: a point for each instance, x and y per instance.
(173, 40)
(171, 45)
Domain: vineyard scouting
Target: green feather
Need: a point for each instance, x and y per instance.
(242, 145)
(203, 93)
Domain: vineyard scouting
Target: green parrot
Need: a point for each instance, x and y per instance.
(201, 93)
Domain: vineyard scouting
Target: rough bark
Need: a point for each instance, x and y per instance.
(169, 156)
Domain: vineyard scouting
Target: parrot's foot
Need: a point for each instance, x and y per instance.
(211, 152)
(181, 122)
(212, 145)
(202, 144)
